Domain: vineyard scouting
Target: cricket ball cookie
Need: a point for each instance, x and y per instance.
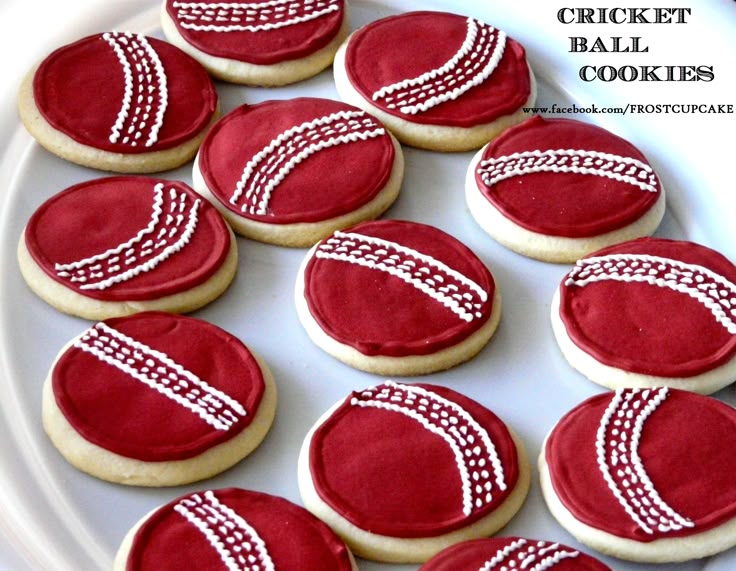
(115, 246)
(258, 43)
(497, 553)
(397, 298)
(226, 529)
(559, 189)
(401, 472)
(650, 312)
(291, 172)
(437, 80)
(645, 474)
(120, 102)
(157, 399)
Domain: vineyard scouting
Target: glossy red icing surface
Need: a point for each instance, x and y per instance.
(315, 189)
(565, 204)
(293, 538)
(403, 47)
(474, 554)
(687, 447)
(647, 329)
(79, 89)
(381, 470)
(261, 46)
(122, 414)
(90, 218)
(377, 313)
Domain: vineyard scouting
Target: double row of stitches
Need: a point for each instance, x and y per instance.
(532, 555)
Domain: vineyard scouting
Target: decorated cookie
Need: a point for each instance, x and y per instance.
(130, 401)
(402, 471)
(397, 298)
(456, 96)
(650, 312)
(115, 246)
(119, 101)
(230, 529)
(258, 43)
(505, 553)
(291, 172)
(645, 474)
(559, 189)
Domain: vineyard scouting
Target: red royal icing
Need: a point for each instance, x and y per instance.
(436, 294)
(261, 33)
(652, 328)
(497, 553)
(128, 238)
(380, 468)
(125, 383)
(275, 162)
(124, 93)
(276, 531)
(406, 47)
(686, 447)
(569, 204)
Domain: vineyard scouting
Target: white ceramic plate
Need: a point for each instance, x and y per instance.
(53, 517)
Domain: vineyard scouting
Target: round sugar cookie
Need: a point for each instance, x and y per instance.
(290, 172)
(157, 399)
(231, 528)
(115, 246)
(496, 553)
(559, 189)
(402, 471)
(645, 474)
(119, 102)
(472, 84)
(258, 43)
(650, 312)
(397, 298)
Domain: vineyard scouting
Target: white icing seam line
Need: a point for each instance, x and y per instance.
(470, 66)
(455, 291)
(617, 451)
(623, 169)
(534, 556)
(145, 94)
(250, 17)
(271, 165)
(150, 247)
(710, 289)
(237, 543)
(476, 457)
(161, 373)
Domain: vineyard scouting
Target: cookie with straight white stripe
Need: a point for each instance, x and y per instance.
(115, 246)
(402, 471)
(272, 169)
(120, 102)
(559, 189)
(471, 85)
(129, 401)
(258, 43)
(497, 553)
(231, 528)
(395, 297)
(650, 312)
(645, 474)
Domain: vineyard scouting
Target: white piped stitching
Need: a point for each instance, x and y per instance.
(705, 286)
(477, 459)
(521, 554)
(272, 164)
(623, 169)
(250, 17)
(239, 546)
(161, 373)
(471, 65)
(617, 451)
